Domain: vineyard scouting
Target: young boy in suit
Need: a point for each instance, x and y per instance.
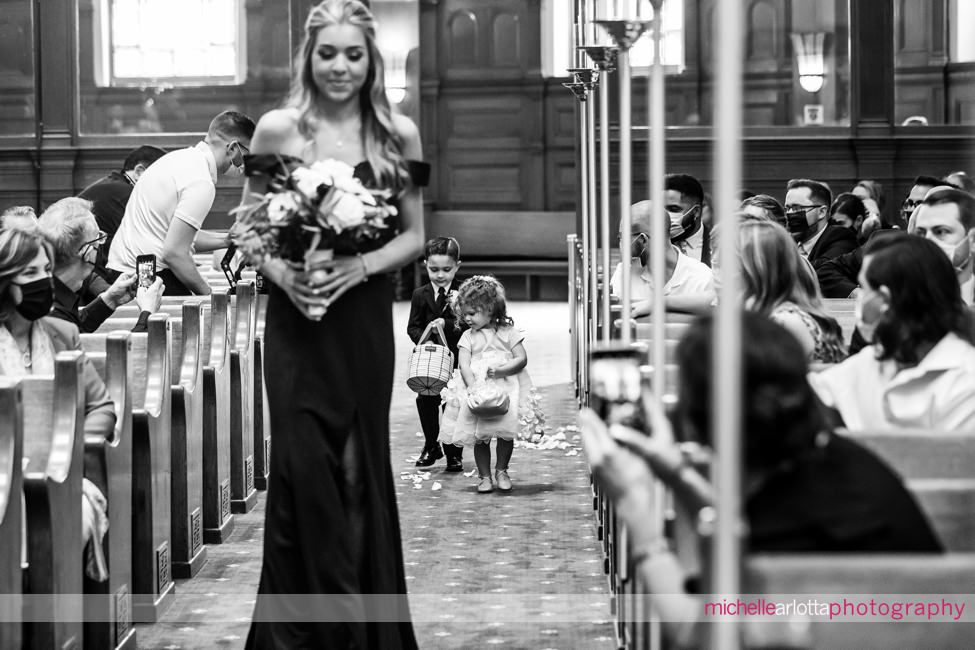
(430, 304)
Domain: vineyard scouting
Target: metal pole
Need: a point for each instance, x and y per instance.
(591, 216)
(625, 190)
(659, 227)
(604, 216)
(726, 549)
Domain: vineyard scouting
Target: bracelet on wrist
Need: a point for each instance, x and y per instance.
(365, 266)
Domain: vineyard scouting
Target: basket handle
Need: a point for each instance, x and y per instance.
(428, 331)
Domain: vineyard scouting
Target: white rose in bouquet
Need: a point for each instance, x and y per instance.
(307, 181)
(343, 211)
(281, 206)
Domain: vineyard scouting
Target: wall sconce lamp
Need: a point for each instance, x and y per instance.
(809, 60)
(395, 63)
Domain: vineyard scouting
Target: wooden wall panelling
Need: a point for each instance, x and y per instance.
(17, 103)
(961, 93)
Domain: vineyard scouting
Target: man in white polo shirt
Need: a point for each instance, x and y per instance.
(172, 198)
(688, 285)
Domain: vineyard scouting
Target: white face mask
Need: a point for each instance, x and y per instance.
(951, 250)
(234, 171)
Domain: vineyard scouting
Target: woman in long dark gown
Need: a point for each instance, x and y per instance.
(333, 567)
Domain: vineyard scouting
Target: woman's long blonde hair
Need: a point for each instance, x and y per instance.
(773, 272)
(383, 147)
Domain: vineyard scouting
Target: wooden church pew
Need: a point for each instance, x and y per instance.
(262, 414)
(939, 469)
(186, 447)
(242, 492)
(11, 514)
(152, 583)
(864, 574)
(108, 464)
(53, 417)
(218, 521)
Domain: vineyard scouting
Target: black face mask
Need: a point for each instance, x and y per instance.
(38, 296)
(796, 224)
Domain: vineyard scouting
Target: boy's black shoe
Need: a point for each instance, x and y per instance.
(455, 464)
(429, 456)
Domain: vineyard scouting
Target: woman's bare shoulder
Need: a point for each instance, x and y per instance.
(275, 129)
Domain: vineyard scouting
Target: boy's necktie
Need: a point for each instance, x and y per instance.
(441, 300)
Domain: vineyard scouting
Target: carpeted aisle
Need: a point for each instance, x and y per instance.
(517, 570)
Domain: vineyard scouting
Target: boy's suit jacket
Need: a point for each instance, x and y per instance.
(423, 310)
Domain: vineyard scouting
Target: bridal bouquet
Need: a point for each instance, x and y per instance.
(308, 211)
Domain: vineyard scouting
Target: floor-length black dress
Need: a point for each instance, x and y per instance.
(333, 562)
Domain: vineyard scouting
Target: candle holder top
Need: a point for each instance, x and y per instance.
(602, 56)
(587, 76)
(579, 90)
(624, 32)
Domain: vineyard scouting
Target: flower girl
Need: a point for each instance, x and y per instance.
(490, 395)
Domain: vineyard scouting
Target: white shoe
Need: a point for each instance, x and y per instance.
(486, 485)
(502, 479)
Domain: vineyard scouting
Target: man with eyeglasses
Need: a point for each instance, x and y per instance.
(165, 214)
(922, 185)
(70, 228)
(807, 219)
(838, 276)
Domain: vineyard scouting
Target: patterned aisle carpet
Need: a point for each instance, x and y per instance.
(516, 570)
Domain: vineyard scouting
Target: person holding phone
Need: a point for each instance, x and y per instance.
(71, 229)
(165, 213)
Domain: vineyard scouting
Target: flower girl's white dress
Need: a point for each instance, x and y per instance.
(488, 348)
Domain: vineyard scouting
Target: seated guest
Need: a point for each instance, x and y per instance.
(778, 283)
(919, 371)
(961, 180)
(688, 285)
(947, 217)
(808, 490)
(868, 189)
(922, 185)
(849, 211)
(807, 219)
(74, 236)
(684, 202)
(109, 195)
(29, 341)
(763, 206)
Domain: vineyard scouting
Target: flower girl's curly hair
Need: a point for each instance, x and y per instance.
(482, 293)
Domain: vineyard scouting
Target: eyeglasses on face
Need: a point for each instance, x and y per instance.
(910, 204)
(804, 208)
(94, 243)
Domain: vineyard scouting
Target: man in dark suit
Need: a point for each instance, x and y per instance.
(807, 218)
(431, 304)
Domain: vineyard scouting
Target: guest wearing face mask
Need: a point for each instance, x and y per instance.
(29, 342)
(70, 228)
(684, 203)
(688, 285)
(946, 216)
(807, 219)
(919, 371)
(168, 206)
